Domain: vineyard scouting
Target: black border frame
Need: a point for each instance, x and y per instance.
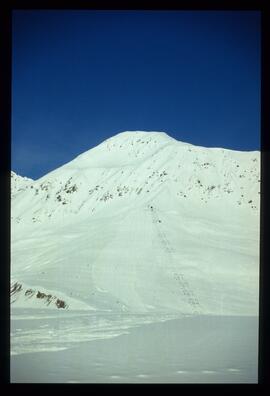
(6, 9)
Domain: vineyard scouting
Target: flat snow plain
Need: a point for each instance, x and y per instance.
(86, 347)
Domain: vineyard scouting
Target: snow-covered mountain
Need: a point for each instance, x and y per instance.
(140, 223)
(19, 183)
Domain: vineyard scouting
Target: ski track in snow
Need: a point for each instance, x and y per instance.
(186, 290)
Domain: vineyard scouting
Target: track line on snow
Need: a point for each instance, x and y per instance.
(186, 290)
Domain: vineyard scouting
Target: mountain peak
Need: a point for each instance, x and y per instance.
(142, 203)
(140, 137)
(123, 149)
(138, 133)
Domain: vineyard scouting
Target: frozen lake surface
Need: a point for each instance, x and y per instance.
(86, 347)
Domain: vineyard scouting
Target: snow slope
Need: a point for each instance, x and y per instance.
(141, 223)
(19, 183)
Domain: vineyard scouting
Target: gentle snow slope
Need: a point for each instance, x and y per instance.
(142, 223)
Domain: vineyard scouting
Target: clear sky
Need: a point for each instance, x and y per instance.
(80, 77)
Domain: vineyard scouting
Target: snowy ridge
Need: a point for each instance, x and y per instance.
(143, 223)
(19, 183)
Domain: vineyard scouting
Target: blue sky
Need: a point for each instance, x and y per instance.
(79, 77)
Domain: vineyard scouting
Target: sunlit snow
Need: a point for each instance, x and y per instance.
(138, 232)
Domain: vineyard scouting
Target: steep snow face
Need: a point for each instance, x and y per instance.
(142, 223)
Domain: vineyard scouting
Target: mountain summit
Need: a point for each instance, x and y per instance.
(142, 222)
